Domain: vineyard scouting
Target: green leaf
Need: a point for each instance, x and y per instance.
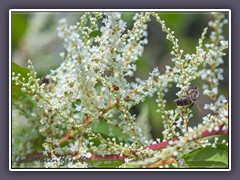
(19, 27)
(208, 157)
(16, 89)
(223, 147)
(103, 129)
(19, 69)
(206, 164)
(130, 165)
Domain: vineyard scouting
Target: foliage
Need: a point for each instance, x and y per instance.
(208, 157)
(79, 115)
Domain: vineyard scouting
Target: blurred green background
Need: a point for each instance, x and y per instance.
(34, 37)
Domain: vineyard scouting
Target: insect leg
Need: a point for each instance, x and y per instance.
(192, 104)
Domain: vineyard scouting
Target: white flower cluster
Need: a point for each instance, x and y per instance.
(214, 57)
(186, 69)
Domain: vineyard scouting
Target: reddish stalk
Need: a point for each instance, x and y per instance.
(161, 145)
(204, 134)
(162, 162)
(65, 138)
(157, 146)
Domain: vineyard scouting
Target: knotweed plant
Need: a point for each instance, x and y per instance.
(92, 87)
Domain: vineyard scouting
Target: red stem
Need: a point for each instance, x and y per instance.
(157, 146)
(160, 145)
(204, 134)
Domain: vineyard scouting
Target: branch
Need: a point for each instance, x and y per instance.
(163, 162)
(66, 137)
(204, 134)
(157, 146)
(162, 145)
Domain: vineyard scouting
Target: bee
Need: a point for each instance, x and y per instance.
(44, 80)
(189, 99)
(49, 85)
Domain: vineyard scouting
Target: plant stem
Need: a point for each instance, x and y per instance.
(157, 146)
(164, 144)
(204, 134)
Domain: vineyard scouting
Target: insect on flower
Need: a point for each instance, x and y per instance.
(49, 86)
(189, 99)
(44, 80)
